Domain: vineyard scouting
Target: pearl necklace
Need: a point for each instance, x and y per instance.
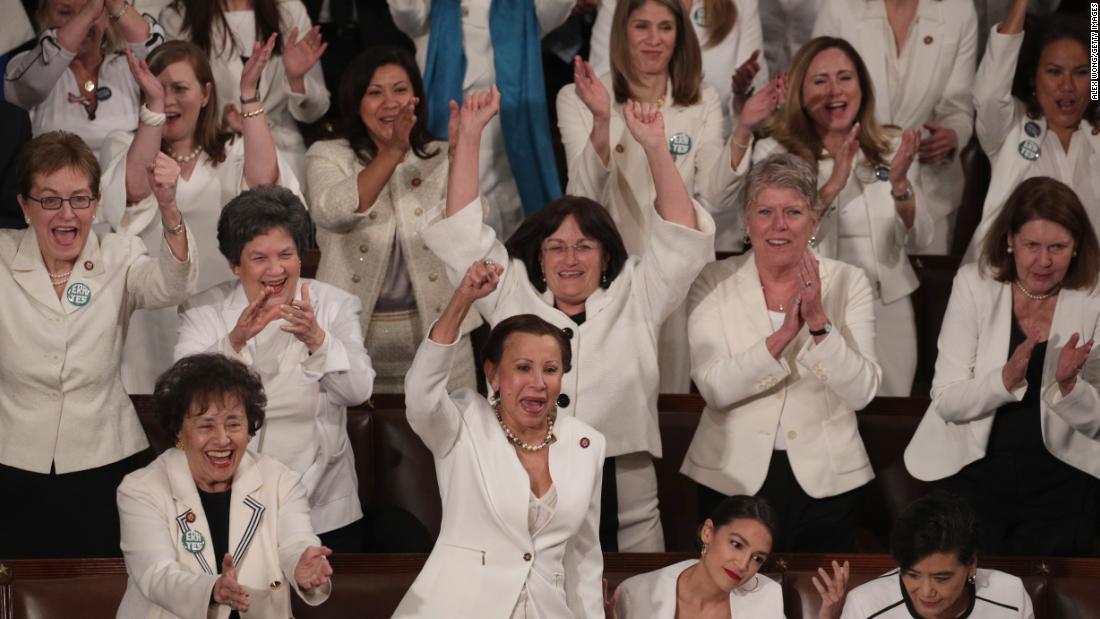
(1036, 297)
(59, 278)
(512, 438)
(184, 158)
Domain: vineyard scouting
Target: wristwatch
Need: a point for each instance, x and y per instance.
(825, 330)
(903, 196)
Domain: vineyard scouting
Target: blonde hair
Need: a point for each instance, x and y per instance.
(112, 43)
(720, 17)
(685, 68)
(792, 126)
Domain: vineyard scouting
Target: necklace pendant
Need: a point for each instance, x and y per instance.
(89, 86)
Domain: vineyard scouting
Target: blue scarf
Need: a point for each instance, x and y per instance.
(517, 58)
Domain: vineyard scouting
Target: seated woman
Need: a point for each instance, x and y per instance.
(520, 482)
(1014, 424)
(209, 523)
(68, 431)
(567, 265)
(303, 339)
(76, 78)
(1034, 113)
(935, 543)
(783, 352)
(724, 581)
(179, 120)
(367, 192)
(873, 212)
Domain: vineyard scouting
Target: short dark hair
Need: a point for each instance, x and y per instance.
(593, 220)
(258, 211)
(741, 506)
(49, 152)
(530, 324)
(1044, 198)
(1039, 32)
(194, 383)
(938, 522)
(353, 85)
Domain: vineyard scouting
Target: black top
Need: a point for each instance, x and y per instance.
(1016, 426)
(216, 507)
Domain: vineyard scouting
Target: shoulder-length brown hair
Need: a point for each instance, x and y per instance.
(203, 18)
(720, 17)
(1043, 198)
(208, 131)
(685, 68)
(794, 129)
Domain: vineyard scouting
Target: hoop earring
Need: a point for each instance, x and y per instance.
(755, 585)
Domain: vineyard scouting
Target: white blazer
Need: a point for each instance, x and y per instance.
(268, 532)
(62, 402)
(1001, 126)
(340, 370)
(892, 277)
(652, 595)
(937, 86)
(613, 383)
(811, 393)
(720, 61)
(486, 553)
(625, 186)
(967, 389)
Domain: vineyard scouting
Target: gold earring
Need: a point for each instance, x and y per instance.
(179, 444)
(703, 554)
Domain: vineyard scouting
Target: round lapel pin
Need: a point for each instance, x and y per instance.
(585, 443)
(882, 172)
(679, 144)
(190, 517)
(193, 541)
(699, 17)
(88, 265)
(1029, 150)
(102, 93)
(78, 294)
(1031, 128)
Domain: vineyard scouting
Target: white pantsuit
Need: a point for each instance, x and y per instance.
(929, 81)
(652, 595)
(308, 393)
(269, 530)
(486, 555)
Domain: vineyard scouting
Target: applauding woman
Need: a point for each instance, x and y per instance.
(567, 265)
(1014, 424)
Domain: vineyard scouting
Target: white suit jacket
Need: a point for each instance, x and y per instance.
(61, 399)
(341, 367)
(652, 595)
(810, 393)
(625, 186)
(613, 383)
(1001, 127)
(937, 87)
(268, 531)
(967, 389)
(893, 276)
(486, 553)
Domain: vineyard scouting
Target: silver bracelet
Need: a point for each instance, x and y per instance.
(176, 229)
(122, 11)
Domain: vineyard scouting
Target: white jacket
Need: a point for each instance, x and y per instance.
(652, 595)
(268, 532)
(340, 370)
(811, 393)
(486, 553)
(967, 389)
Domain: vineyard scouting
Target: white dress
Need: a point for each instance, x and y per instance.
(152, 333)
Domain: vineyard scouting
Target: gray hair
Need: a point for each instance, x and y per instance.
(786, 171)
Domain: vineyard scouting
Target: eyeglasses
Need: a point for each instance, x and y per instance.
(582, 248)
(53, 203)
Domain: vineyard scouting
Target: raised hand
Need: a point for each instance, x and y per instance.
(149, 84)
(741, 82)
(299, 55)
(227, 590)
(904, 156)
(480, 280)
(811, 310)
(453, 125)
(590, 90)
(164, 173)
(313, 569)
(254, 67)
(645, 123)
(398, 138)
(940, 144)
(478, 108)
(1070, 361)
(253, 319)
(763, 104)
(302, 322)
(1014, 371)
(832, 590)
(231, 119)
(610, 603)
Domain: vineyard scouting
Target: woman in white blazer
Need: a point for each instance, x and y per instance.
(1034, 113)
(921, 56)
(179, 120)
(210, 529)
(730, 37)
(368, 192)
(1014, 424)
(736, 539)
(567, 264)
(520, 481)
(304, 340)
(68, 431)
(873, 213)
(783, 352)
(291, 89)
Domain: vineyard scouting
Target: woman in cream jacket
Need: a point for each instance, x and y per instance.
(922, 78)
